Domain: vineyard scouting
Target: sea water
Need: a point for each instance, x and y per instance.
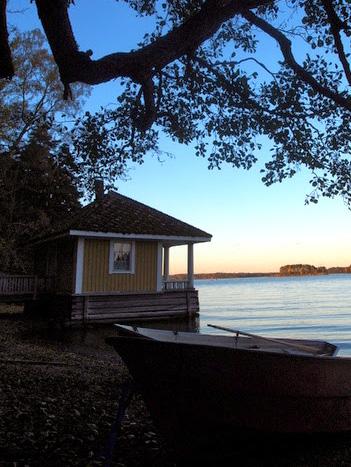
(306, 307)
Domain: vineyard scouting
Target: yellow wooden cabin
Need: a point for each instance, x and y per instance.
(110, 262)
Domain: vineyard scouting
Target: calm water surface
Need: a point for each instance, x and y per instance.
(317, 307)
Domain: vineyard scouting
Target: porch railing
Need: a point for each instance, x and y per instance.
(176, 285)
(25, 285)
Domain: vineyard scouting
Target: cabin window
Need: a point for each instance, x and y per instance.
(122, 257)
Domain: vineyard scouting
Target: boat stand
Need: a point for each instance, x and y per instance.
(128, 391)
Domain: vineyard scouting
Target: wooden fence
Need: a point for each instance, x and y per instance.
(25, 285)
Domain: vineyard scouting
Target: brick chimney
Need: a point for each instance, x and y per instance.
(99, 189)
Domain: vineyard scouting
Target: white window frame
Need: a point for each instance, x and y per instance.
(132, 257)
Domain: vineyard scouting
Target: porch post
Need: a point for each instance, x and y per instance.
(166, 263)
(159, 284)
(79, 266)
(191, 265)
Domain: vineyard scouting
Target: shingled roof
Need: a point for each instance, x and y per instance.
(118, 214)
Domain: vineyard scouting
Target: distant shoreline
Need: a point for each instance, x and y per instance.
(285, 271)
(224, 275)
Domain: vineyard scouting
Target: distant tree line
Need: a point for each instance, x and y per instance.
(287, 270)
(309, 270)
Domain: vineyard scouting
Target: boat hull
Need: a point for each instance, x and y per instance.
(202, 387)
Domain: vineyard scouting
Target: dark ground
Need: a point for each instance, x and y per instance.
(63, 415)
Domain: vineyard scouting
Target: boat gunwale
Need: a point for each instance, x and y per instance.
(136, 335)
(149, 340)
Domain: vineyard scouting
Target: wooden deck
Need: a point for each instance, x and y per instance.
(127, 307)
(18, 288)
(176, 299)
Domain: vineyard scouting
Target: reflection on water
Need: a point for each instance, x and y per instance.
(316, 307)
(307, 307)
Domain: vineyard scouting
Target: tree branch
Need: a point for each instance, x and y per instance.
(6, 64)
(285, 47)
(143, 63)
(248, 102)
(247, 59)
(148, 115)
(336, 25)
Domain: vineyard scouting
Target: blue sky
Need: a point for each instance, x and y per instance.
(254, 228)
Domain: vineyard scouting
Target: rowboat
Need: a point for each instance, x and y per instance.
(194, 382)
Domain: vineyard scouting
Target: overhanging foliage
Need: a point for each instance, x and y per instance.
(201, 78)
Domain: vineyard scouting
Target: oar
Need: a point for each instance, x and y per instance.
(300, 347)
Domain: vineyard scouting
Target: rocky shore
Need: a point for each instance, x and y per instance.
(59, 395)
